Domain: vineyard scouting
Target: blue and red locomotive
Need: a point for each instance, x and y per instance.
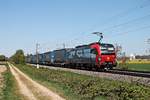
(95, 55)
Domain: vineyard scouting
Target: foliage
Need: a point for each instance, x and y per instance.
(139, 61)
(88, 87)
(2, 58)
(123, 66)
(18, 57)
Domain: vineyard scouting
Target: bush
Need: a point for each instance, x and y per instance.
(123, 66)
(2, 58)
(18, 57)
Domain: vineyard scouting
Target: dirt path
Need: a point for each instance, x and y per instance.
(31, 89)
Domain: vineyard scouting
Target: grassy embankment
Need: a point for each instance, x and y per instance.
(10, 90)
(138, 65)
(75, 86)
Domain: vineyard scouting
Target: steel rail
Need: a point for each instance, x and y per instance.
(144, 74)
(130, 73)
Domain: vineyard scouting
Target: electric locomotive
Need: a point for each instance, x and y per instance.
(97, 55)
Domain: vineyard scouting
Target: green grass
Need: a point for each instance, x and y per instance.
(82, 87)
(138, 66)
(10, 90)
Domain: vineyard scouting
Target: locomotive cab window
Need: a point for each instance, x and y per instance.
(94, 51)
(107, 48)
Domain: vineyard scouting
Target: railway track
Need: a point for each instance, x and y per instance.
(144, 74)
(137, 77)
(130, 73)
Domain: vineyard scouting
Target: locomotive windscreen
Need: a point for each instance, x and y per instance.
(107, 49)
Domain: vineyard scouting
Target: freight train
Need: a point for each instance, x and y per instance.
(95, 55)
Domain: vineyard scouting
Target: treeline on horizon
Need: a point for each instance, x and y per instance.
(3, 58)
(142, 57)
(17, 58)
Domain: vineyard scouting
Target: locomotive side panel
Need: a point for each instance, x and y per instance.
(81, 56)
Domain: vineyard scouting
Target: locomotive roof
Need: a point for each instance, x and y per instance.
(86, 45)
(92, 44)
(82, 46)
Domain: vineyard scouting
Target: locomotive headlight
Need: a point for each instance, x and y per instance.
(108, 58)
(99, 59)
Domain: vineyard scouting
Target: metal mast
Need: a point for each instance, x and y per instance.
(37, 55)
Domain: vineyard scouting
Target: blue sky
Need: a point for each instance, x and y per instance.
(51, 23)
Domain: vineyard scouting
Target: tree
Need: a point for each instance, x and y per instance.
(18, 57)
(2, 58)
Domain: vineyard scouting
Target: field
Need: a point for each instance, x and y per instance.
(76, 87)
(138, 65)
(135, 66)
(139, 61)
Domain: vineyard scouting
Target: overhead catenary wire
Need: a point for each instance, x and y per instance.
(120, 15)
(123, 14)
(133, 30)
(134, 20)
(128, 11)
